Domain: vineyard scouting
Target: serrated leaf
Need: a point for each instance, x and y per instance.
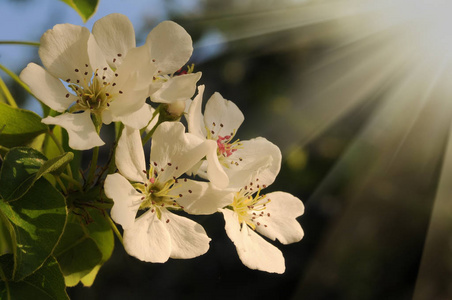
(23, 166)
(85, 8)
(77, 253)
(38, 219)
(47, 283)
(19, 126)
(18, 171)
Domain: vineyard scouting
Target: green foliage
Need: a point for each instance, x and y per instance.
(38, 219)
(87, 243)
(18, 127)
(23, 166)
(85, 8)
(46, 283)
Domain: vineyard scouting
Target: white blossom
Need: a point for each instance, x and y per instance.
(233, 161)
(158, 234)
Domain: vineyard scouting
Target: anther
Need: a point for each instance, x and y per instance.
(105, 69)
(67, 95)
(190, 191)
(167, 220)
(76, 70)
(86, 73)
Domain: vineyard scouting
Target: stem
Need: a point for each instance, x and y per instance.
(150, 133)
(60, 147)
(71, 180)
(56, 141)
(8, 95)
(112, 164)
(16, 79)
(20, 43)
(61, 184)
(115, 229)
(93, 166)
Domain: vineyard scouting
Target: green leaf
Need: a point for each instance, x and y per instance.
(77, 253)
(19, 126)
(47, 283)
(6, 235)
(19, 171)
(85, 8)
(102, 234)
(23, 166)
(38, 219)
(55, 165)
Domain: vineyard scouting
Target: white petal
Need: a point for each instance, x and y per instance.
(256, 158)
(63, 50)
(175, 151)
(201, 198)
(98, 61)
(215, 171)
(188, 238)
(47, 88)
(148, 239)
(129, 156)
(138, 119)
(126, 200)
(137, 61)
(279, 216)
(222, 117)
(80, 128)
(253, 250)
(178, 88)
(194, 117)
(170, 45)
(128, 98)
(114, 35)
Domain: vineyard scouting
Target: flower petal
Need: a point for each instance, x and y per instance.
(200, 198)
(126, 200)
(80, 128)
(129, 156)
(137, 61)
(215, 171)
(47, 88)
(173, 151)
(194, 117)
(188, 238)
(170, 46)
(115, 36)
(63, 50)
(279, 216)
(148, 239)
(254, 252)
(256, 158)
(222, 117)
(139, 118)
(178, 88)
(128, 98)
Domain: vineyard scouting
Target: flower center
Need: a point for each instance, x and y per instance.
(157, 195)
(249, 209)
(224, 146)
(93, 94)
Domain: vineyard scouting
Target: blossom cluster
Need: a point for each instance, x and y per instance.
(102, 77)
